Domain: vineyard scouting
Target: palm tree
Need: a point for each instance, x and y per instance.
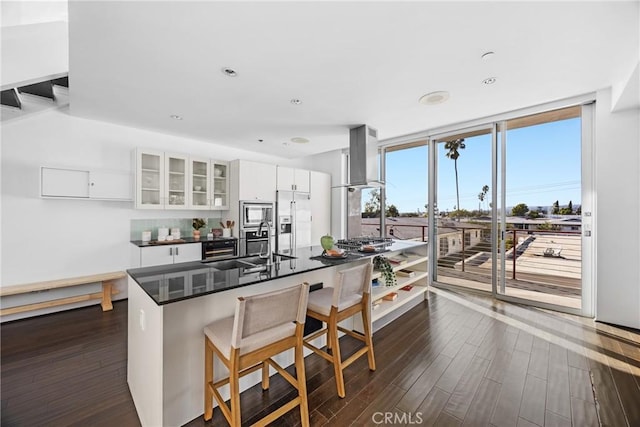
(453, 153)
(485, 190)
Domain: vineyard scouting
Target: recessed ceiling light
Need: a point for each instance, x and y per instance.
(489, 80)
(176, 117)
(488, 55)
(296, 101)
(434, 98)
(299, 140)
(230, 72)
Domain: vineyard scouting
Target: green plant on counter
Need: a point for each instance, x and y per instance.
(198, 223)
(382, 264)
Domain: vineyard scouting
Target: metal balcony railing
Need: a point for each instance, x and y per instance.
(537, 256)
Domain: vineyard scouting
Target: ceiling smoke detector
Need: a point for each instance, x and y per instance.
(299, 140)
(296, 101)
(489, 80)
(434, 98)
(176, 117)
(229, 72)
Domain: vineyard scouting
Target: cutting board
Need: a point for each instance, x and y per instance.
(167, 242)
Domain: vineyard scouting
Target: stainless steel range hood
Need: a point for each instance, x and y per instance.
(363, 158)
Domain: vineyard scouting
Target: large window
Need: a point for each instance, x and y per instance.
(507, 204)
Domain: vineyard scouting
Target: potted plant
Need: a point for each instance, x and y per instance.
(198, 223)
(382, 264)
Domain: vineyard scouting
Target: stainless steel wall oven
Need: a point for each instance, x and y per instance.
(253, 242)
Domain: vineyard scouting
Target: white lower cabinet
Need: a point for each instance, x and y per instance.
(170, 254)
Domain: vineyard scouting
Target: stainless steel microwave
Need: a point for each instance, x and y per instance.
(252, 213)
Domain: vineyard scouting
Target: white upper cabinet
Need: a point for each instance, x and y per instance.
(220, 185)
(199, 183)
(255, 181)
(110, 185)
(291, 179)
(150, 180)
(56, 182)
(176, 181)
(179, 181)
(85, 184)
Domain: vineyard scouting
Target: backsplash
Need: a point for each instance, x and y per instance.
(184, 224)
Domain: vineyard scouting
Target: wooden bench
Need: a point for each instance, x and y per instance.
(108, 289)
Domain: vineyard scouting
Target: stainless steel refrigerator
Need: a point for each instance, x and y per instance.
(293, 221)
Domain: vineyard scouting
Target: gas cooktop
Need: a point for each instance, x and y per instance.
(356, 243)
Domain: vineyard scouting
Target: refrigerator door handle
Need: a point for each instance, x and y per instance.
(294, 224)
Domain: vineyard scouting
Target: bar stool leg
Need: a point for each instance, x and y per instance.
(234, 388)
(302, 384)
(265, 375)
(335, 350)
(208, 377)
(367, 335)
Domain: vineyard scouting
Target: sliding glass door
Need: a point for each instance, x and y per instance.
(540, 209)
(461, 233)
(507, 206)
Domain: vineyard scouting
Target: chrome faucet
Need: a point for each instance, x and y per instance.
(268, 256)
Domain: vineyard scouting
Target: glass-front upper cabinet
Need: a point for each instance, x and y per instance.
(199, 185)
(149, 179)
(176, 181)
(220, 190)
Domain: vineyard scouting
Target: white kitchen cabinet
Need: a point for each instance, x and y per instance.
(170, 254)
(291, 179)
(56, 182)
(110, 185)
(172, 181)
(150, 179)
(199, 183)
(176, 181)
(320, 205)
(85, 184)
(220, 185)
(254, 180)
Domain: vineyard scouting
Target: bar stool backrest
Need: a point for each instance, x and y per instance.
(258, 313)
(351, 282)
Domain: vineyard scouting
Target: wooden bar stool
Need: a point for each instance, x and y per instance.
(350, 295)
(263, 326)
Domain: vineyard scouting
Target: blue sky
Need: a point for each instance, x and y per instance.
(543, 165)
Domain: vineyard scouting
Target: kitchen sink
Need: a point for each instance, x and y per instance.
(245, 263)
(256, 260)
(229, 264)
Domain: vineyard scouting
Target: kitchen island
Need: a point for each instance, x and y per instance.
(170, 305)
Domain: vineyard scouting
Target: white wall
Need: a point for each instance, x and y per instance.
(617, 213)
(44, 239)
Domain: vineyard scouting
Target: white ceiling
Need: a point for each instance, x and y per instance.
(138, 63)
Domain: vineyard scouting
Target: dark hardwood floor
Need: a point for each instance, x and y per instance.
(456, 359)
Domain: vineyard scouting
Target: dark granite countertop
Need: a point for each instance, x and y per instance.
(176, 282)
(183, 241)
